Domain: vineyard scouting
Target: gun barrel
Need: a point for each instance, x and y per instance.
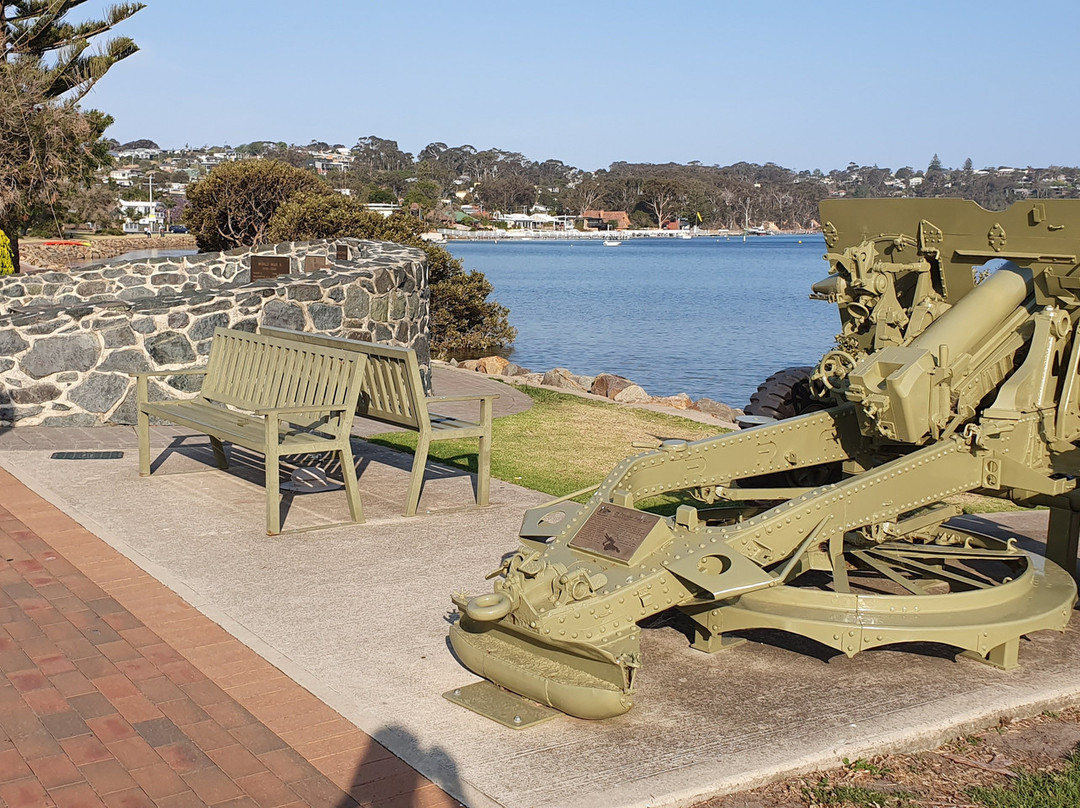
(979, 312)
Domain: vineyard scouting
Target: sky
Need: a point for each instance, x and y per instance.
(812, 84)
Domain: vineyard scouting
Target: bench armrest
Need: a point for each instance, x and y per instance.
(142, 380)
(441, 399)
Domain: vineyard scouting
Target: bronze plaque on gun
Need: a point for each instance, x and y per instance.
(264, 267)
(614, 531)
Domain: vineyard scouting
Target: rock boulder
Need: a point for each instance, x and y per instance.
(717, 409)
(609, 385)
(565, 380)
(677, 402)
(493, 365)
(634, 394)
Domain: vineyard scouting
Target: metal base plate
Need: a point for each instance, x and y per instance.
(501, 706)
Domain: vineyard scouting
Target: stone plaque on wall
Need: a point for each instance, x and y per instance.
(343, 252)
(313, 263)
(268, 266)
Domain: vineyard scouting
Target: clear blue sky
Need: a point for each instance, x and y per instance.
(802, 84)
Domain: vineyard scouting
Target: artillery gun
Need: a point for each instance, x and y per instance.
(957, 370)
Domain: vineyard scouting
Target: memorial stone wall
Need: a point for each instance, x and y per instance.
(68, 340)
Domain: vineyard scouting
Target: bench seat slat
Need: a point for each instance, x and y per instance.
(246, 431)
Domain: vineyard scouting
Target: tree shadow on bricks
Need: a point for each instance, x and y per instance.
(382, 779)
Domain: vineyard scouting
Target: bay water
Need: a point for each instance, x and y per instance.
(709, 316)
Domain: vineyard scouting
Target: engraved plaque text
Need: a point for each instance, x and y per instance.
(614, 531)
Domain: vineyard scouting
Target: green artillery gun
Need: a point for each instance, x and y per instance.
(953, 373)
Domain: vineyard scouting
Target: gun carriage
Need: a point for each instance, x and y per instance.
(957, 369)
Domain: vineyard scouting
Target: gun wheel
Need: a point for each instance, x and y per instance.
(786, 394)
(902, 568)
(980, 596)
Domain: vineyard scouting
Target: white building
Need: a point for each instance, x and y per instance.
(535, 221)
(138, 215)
(387, 209)
(124, 177)
(138, 154)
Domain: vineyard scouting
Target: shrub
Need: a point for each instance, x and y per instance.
(233, 205)
(7, 258)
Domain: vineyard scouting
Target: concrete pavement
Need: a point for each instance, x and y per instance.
(357, 616)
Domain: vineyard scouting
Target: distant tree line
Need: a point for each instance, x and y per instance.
(732, 197)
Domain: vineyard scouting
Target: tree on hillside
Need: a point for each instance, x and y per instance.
(505, 193)
(424, 193)
(662, 196)
(462, 318)
(48, 149)
(233, 205)
(285, 153)
(46, 67)
(586, 195)
(381, 196)
(622, 193)
(36, 29)
(95, 205)
(378, 154)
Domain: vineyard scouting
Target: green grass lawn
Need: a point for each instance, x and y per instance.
(1035, 790)
(561, 444)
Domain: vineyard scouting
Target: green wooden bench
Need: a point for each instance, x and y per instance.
(392, 393)
(276, 396)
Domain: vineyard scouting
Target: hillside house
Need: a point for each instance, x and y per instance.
(598, 219)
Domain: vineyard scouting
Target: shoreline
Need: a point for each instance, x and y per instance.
(606, 235)
(608, 387)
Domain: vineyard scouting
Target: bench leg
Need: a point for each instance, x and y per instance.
(483, 471)
(273, 480)
(483, 456)
(416, 479)
(143, 427)
(220, 459)
(352, 487)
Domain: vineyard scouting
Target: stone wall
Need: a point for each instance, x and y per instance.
(69, 339)
(36, 255)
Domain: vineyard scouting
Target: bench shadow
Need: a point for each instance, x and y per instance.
(382, 777)
(250, 466)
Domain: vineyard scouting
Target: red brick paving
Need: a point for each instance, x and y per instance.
(115, 692)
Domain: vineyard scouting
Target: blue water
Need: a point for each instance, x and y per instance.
(709, 317)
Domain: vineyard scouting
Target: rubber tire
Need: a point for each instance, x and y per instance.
(786, 394)
(783, 395)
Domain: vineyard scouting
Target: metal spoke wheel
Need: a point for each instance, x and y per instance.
(979, 594)
(902, 568)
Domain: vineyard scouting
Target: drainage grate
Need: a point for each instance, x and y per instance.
(110, 455)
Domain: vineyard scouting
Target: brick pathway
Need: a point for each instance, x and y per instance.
(115, 692)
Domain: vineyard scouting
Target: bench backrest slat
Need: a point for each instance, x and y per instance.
(257, 371)
(391, 391)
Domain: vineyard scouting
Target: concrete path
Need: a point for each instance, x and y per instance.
(357, 616)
